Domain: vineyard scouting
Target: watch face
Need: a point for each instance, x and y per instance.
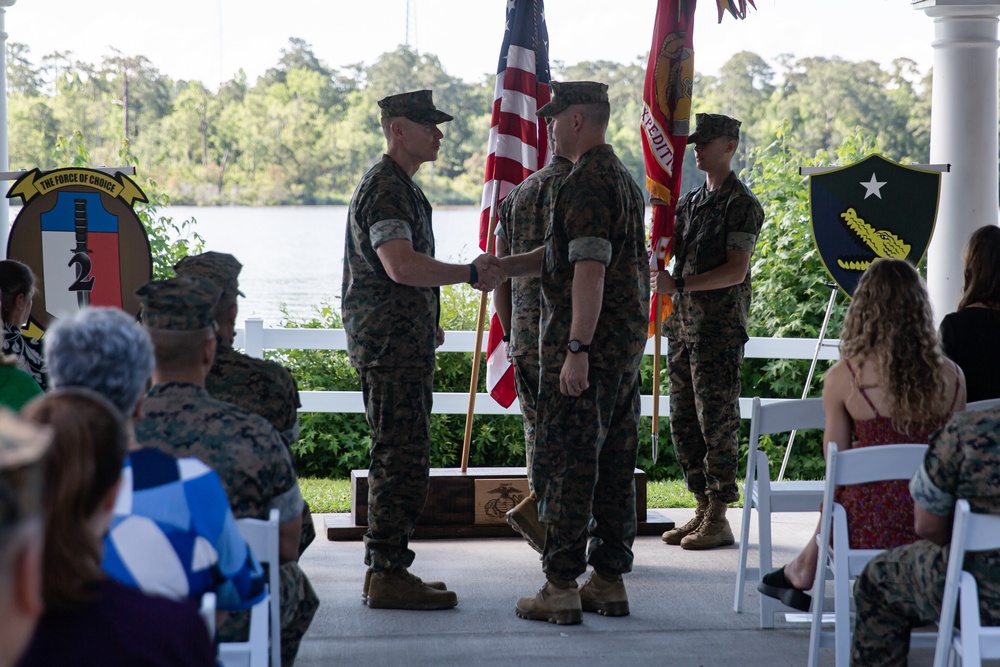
(574, 346)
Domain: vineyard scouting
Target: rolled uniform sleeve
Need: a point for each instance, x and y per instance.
(741, 241)
(934, 484)
(588, 219)
(591, 248)
(390, 230)
(287, 498)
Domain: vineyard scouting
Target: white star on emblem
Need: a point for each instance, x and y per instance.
(872, 187)
(510, 4)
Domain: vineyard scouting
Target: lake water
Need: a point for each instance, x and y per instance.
(293, 256)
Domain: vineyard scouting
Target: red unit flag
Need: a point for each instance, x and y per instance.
(666, 112)
(518, 147)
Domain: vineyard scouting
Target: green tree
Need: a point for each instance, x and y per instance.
(22, 75)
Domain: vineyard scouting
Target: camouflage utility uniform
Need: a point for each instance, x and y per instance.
(391, 338)
(256, 470)
(902, 588)
(259, 386)
(523, 219)
(706, 335)
(585, 446)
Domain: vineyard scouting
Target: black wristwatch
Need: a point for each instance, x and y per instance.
(576, 347)
(679, 284)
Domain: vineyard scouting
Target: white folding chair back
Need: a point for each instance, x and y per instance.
(853, 466)
(207, 613)
(973, 642)
(779, 416)
(263, 537)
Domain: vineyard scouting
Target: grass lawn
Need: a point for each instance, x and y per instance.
(334, 495)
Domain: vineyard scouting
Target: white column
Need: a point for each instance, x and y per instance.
(963, 133)
(4, 154)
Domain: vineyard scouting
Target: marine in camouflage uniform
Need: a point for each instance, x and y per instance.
(251, 459)
(259, 386)
(522, 221)
(587, 428)
(902, 588)
(706, 334)
(391, 308)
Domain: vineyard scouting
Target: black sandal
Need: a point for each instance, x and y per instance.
(776, 585)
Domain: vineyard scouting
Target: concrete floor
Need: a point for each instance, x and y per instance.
(681, 604)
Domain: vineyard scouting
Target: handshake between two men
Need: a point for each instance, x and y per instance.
(487, 272)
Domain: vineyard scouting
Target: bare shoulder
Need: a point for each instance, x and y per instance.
(838, 382)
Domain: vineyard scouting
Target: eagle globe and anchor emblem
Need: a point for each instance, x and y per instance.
(78, 232)
(509, 497)
(872, 209)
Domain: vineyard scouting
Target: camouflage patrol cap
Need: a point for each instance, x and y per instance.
(23, 446)
(712, 125)
(418, 106)
(221, 268)
(568, 93)
(184, 303)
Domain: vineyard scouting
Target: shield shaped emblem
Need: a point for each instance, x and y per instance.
(871, 209)
(79, 233)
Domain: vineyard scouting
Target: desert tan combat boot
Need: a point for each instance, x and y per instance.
(402, 590)
(556, 602)
(524, 519)
(368, 580)
(605, 594)
(677, 534)
(713, 532)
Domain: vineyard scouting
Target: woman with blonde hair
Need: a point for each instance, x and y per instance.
(892, 385)
(89, 618)
(970, 335)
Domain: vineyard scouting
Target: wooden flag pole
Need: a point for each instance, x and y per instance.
(474, 384)
(656, 376)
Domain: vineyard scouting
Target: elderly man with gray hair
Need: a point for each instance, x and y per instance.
(104, 350)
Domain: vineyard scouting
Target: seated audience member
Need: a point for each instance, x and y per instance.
(259, 386)
(902, 588)
(22, 455)
(179, 549)
(178, 416)
(16, 386)
(970, 336)
(17, 292)
(91, 619)
(892, 385)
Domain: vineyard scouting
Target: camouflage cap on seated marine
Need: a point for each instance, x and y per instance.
(568, 93)
(23, 446)
(712, 125)
(221, 268)
(418, 106)
(184, 303)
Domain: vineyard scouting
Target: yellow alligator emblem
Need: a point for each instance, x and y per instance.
(882, 242)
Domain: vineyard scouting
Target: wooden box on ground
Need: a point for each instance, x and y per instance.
(451, 507)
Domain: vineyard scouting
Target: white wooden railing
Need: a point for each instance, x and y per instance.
(256, 338)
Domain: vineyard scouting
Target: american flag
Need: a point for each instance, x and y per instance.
(518, 147)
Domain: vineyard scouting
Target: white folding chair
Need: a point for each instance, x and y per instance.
(853, 466)
(207, 613)
(973, 642)
(262, 536)
(768, 497)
